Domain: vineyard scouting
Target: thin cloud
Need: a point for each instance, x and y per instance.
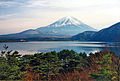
(7, 16)
(70, 3)
(36, 3)
(6, 4)
(96, 13)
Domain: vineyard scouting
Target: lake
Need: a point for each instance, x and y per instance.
(47, 46)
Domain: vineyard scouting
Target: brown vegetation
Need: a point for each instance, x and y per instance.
(83, 73)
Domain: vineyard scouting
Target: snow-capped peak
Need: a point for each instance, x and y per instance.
(66, 21)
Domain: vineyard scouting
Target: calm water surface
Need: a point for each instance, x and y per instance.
(47, 46)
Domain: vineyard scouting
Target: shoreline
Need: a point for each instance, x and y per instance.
(45, 40)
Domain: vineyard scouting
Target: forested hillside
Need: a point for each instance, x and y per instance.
(66, 65)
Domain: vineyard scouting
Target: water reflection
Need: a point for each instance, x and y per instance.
(47, 46)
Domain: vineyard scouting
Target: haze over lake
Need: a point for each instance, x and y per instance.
(47, 46)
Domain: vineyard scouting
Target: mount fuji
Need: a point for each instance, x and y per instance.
(65, 27)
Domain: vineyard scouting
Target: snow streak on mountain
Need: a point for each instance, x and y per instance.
(66, 21)
(67, 26)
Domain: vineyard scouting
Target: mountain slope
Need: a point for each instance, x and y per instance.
(85, 36)
(110, 34)
(63, 28)
(67, 26)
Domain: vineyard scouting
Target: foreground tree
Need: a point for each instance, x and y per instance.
(70, 59)
(10, 65)
(107, 70)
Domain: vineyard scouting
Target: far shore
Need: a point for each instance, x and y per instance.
(12, 41)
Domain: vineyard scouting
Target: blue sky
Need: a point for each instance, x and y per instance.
(19, 15)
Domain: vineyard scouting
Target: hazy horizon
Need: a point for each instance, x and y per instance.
(20, 15)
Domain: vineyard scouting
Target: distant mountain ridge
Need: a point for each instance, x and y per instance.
(68, 28)
(84, 36)
(65, 27)
(111, 34)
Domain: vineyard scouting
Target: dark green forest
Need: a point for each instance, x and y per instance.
(66, 65)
